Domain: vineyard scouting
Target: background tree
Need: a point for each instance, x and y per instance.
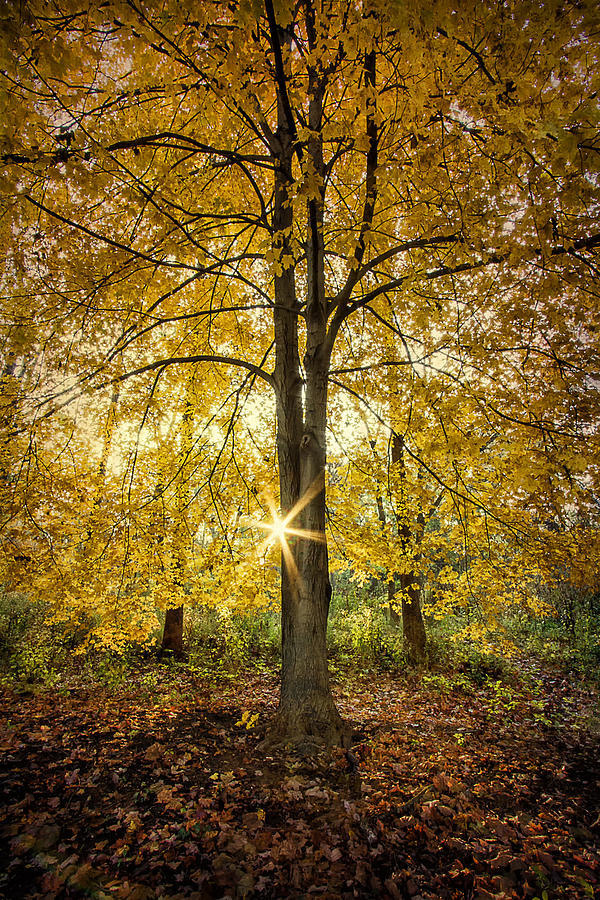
(298, 198)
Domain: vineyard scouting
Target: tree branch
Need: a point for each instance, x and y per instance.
(471, 50)
(468, 498)
(416, 244)
(588, 243)
(279, 70)
(178, 360)
(106, 240)
(356, 273)
(185, 142)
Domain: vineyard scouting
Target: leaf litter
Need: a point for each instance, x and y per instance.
(165, 793)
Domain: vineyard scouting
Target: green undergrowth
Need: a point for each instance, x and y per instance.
(220, 645)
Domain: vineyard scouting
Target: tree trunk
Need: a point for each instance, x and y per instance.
(394, 616)
(307, 716)
(172, 639)
(413, 627)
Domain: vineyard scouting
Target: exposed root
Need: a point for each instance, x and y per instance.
(307, 733)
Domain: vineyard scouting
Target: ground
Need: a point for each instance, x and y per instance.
(156, 788)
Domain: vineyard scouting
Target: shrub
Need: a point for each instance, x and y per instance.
(230, 639)
(32, 662)
(18, 614)
(359, 631)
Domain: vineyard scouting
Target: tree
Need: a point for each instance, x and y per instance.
(403, 588)
(299, 199)
(172, 639)
(410, 587)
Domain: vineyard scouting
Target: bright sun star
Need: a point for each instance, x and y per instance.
(278, 529)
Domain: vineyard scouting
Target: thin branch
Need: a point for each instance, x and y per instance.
(178, 360)
(416, 244)
(367, 368)
(467, 498)
(106, 240)
(185, 142)
(372, 133)
(471, 50)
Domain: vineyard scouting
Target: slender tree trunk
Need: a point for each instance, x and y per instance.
(172, 638)
(394, 615)
(413, 626)
(8, 415)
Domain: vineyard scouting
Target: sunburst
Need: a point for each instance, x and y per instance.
(279, 529)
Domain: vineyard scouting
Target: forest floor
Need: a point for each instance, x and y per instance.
(157, 789)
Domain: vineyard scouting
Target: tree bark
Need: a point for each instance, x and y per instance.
(413, 626)
(307, 716)
(172, 639)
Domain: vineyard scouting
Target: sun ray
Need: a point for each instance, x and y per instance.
(318, 536)
(311, 492)
(279, 529)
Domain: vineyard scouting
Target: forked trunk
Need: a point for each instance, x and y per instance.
(307, 716)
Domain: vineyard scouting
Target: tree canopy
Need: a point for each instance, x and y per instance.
(248, 246)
